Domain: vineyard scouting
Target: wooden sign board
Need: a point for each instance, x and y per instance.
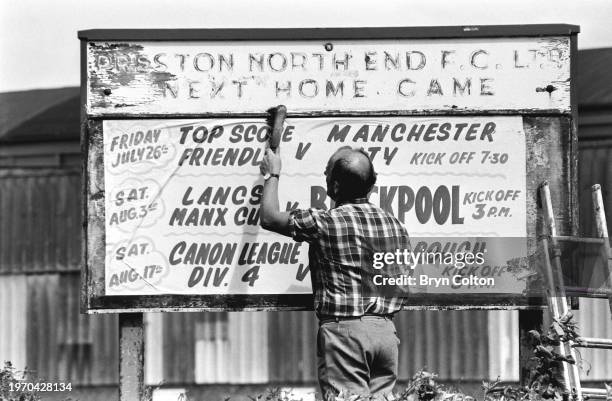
(162, 78)
(461, 127)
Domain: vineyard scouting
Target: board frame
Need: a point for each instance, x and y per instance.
(563, 148)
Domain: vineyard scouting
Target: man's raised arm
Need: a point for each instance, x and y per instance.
(271, 217)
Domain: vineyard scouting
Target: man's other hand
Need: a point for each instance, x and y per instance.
(271, 162)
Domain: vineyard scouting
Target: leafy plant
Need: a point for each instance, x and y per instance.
(10, 390)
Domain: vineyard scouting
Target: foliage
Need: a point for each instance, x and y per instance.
(9, 377)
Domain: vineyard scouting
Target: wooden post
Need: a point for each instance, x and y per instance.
(528, 320)
(131, 357)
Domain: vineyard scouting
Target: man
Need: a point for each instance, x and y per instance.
(357, 345)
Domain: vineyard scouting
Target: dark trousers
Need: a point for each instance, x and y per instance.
(357, 356)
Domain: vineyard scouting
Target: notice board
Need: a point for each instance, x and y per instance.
(462, 125)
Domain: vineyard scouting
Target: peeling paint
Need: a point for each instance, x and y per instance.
(165, 78)
(122, 69)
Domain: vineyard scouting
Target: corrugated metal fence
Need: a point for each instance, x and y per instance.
(40, 255)
(594, 321)
(595, 167)
(40, 325)
(185, 348)
(452, 343)
(40, 221)
(13, 325)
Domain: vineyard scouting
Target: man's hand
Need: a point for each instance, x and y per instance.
(271, 162)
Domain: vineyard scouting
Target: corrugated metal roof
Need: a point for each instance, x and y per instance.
(40, 115)
(594, 77)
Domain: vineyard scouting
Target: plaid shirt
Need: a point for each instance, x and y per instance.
(342, 243)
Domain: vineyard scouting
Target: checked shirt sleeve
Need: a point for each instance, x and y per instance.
(305, 224)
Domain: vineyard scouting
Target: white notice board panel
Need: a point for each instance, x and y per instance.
(410, 76)
(182, 197)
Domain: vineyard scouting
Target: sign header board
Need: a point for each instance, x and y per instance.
(324, 77)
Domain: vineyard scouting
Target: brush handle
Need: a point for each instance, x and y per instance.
(277, 127)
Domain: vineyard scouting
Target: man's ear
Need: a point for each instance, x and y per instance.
(335, 188)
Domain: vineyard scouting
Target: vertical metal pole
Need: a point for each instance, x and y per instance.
(131, 357)
(602, 232)
(531, 319)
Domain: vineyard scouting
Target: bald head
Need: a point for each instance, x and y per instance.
(352, 173)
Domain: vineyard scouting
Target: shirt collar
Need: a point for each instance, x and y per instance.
(357, 200)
